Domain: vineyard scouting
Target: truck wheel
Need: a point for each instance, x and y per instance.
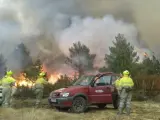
(101, 106)
(116, 103)
(78, 105)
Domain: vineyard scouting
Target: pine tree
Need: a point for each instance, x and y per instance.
(151, 65)
(122, 55)
(80, 58)
(33, 70)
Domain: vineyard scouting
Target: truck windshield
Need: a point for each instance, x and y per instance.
(84, 80)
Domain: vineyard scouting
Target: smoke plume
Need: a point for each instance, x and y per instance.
(97, 34)
(49, 27)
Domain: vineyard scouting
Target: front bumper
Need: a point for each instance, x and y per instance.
(61, 102)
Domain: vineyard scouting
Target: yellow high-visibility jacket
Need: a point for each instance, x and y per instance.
(41, 80)
(126, 82)
(8, 81)
(117, 83)
(40, 83)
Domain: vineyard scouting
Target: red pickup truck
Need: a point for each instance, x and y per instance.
(87, 90)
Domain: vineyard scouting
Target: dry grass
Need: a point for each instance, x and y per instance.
(141, 111)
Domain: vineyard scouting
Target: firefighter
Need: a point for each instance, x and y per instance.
(126, 84)
(7, 83)
(39, 86)
(14, 90)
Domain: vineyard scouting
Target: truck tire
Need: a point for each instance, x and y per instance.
(116, 103)
(79, 105)
(101, 106)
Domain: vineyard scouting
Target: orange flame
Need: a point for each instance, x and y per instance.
(145, 54)
(54, 78)
(23, 81)
(26, 83)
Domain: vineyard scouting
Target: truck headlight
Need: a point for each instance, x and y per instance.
(64, 94)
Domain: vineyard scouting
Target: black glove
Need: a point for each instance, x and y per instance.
(128, 89)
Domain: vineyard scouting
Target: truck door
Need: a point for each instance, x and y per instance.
(100, 92)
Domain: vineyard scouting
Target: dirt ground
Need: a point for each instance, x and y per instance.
(25, 111)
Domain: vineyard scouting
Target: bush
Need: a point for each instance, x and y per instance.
(148, 83)
(24, 92)
(47, 89)
(62, 82)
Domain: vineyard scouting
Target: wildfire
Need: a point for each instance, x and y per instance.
(54, 77)
(23, 81)
(145, 54)
(141, 52)
(26, 83)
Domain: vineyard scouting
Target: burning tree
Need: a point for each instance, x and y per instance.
(63, 81)
(22, 80)
(33, 70)
(2, 66)
(80, 58)
(122, 55)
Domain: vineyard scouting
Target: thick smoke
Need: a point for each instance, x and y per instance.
(33, 23)
(144, 13)
(97, 34)
(49, 27)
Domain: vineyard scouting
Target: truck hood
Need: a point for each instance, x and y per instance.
(59, 90)
(70, 89)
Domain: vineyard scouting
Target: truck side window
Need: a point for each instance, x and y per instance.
(104, 80)
(114, 78)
